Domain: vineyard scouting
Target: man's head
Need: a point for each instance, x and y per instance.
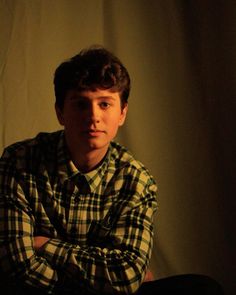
(92, 92)
(93, 68)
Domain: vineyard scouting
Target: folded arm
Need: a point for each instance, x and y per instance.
(40, 241)
(117, 266)
(120, 267)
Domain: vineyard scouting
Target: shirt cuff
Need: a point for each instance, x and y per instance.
(56, 252)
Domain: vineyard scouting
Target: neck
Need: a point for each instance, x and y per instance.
(88, 161)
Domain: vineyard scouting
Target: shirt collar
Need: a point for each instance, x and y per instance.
(67, 170)
(95, 176)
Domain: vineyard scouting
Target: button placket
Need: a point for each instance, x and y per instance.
(72, 191)
(77, 215)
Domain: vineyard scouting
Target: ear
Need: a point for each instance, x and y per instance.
(123, 114)
(60, 115)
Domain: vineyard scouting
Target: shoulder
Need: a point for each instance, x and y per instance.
(38, 141)
(128, 167)
(131, 180)
(32, 148)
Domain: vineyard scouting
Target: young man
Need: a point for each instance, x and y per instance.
(76, 209)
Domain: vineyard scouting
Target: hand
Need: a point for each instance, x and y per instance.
(39, 241)
(149, 276)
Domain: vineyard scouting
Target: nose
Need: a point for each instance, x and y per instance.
(93, 113)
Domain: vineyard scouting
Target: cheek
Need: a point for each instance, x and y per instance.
(75, 116)
(114, 124)
(72, 122)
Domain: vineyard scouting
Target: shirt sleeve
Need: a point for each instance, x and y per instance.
(117, 259)
(19, 263)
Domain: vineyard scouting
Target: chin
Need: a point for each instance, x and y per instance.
(97, 145)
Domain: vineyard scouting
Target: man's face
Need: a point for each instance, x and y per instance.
(91, 118)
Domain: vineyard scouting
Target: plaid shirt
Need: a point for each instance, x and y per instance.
(100, 224)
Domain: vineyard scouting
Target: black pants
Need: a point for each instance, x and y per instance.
(181, 284)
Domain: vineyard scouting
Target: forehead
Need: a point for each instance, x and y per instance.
(93, 94)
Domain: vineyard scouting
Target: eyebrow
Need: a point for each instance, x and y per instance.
(75, 97)
(106, 97)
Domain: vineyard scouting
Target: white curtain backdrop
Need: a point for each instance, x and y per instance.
(181, 58)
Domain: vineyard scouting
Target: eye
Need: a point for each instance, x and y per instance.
(81, 104)
(104, 105)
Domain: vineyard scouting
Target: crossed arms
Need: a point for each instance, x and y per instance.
(51, 263)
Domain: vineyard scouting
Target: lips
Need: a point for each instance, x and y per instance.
(94, 132)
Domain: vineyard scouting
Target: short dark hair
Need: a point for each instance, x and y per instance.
(92, 68)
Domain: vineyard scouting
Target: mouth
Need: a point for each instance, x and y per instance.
(94, 132)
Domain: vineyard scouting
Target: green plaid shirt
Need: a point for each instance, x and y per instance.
(100, 224)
